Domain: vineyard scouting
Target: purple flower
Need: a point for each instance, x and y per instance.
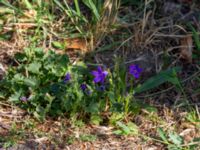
(24, 99)
(99, 75)
(83, 87)
(135, 71)
(102, 88)
(67, 78)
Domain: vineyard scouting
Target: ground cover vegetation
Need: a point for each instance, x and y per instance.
(99, 74)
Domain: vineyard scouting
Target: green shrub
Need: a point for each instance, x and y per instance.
(48, 84)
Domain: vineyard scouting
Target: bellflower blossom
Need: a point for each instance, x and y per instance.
(135, 71)
(83, 87)
(67, 78)
(24, 99)
(99, 75)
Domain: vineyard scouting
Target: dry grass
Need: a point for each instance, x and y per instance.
(57, 133)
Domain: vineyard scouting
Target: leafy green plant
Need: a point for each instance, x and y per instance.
(87, 137)
(175, 141)
(71, 139)
(37, 84)
(193, 118)
(126, 129)
(47, 84)
(14, 135)
(162, 77)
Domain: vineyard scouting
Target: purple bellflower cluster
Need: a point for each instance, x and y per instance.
(99, 77)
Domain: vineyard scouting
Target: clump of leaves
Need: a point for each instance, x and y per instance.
(126, 129)
(47, 84)
(176, 142)
(38, 84)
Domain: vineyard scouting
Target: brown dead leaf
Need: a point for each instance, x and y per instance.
(186, 48)
(76, 43)
(188, 134)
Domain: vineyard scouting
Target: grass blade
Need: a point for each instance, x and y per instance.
(162, 77)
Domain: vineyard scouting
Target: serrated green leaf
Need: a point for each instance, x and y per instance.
(116, 117)
(125, 128)
(18, 77)
(176, 139)
(133, 128)
(34, 67)
(15, 97)
(31, 82)
(95, 119)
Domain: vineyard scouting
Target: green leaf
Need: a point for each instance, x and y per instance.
(21, 57)
(34, 67)
(15, 97)
(18, 77)
(129, 129)
(116, 117)
(77, 7)
(93, 8)
(111, 96)
(150, 108)
(31, 82)
(162, 135)
(6, 3)
(133, 128)
(173, 147)
(118, 132)
(162, 77)
(87, 137)
(58, 45)
(96, 119)
(2, 95)
(28, 4)
(63, 60)
(125, 128)
(195, 36)
(93, 108)
(40, 113)
(176, 139)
